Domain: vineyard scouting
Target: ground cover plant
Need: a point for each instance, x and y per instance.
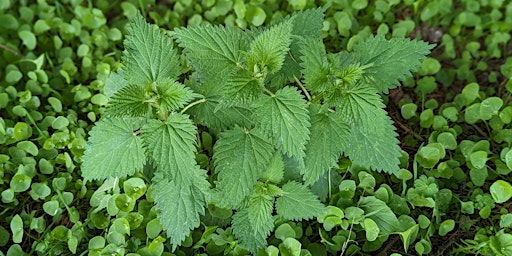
(62, 67)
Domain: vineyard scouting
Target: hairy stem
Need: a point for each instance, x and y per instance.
(5, 47)
(193, 104)
(269, 92)
(303, 88)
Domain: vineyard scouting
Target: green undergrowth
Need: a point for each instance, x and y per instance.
(448, 195)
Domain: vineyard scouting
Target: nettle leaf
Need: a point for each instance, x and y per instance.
(391, 60)
(214, 51)
(306, 24)
(181, 204)
(114, 83)
(315, 65)
(149, 55)
(275, 171)
(210, 113)
(241, 88)
(252, 225)
(269, 48)
(328, 136)
(113, 149)
(240, 157)
(372, 142)
(173, 96)
(172, 145)
(298, 202)
(285, 117)
(128, 101)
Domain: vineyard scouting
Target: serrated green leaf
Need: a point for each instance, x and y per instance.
(268, 49)
(275, 170)
(214, 51)
(149, 55)
(241, 88)
(114, 83)
(181, 204)
(391, 60)
(372, 142)
(306, 24)
(128, 101)
(225, 117)
(327, 141)
(315, 65)
(173, 96)
(113, 149)
(172, 145)
(240, 157)
(284, 116)
(253, 224)
(298, 203)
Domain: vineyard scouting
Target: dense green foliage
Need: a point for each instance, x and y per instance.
(445, 190)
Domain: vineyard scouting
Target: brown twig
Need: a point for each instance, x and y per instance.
(10, 50)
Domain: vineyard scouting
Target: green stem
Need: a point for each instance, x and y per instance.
(29, 117)
(193, 104)
(5, 47)
(302, 88)
(142, 8)
(269, 92)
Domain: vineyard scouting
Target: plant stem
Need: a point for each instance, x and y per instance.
(269, 92)
(303, 88)
(193, 104)
(5, 47)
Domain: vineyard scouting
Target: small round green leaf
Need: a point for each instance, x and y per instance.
(471, 92)
(255, 15)
(485, 212)
(501, 191)
(13, 76)
(28, 38)
(121, 226)
(17, 229)
(134, 188)
(359, 4)
(430, 66)
(99, 99)
(153, 228)
(371, 229)
(448, 140)
(409, 110)
(51, 207)
(428, 156)
(490, 107)
(290, 247)
(60, 123)
(125, 203)
(96, 242)
(284, 231)
(20, 182)
(426, 118)
(28, 146)
(40, 191)
(478, 159)
(446, 227)
(22, 131)
(472, 113)
(55, 103)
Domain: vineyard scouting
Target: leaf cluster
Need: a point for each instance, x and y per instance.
(334, 110)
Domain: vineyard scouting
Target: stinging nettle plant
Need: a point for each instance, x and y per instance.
(283, 111)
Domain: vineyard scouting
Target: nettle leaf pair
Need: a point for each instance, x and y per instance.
(283, 109)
